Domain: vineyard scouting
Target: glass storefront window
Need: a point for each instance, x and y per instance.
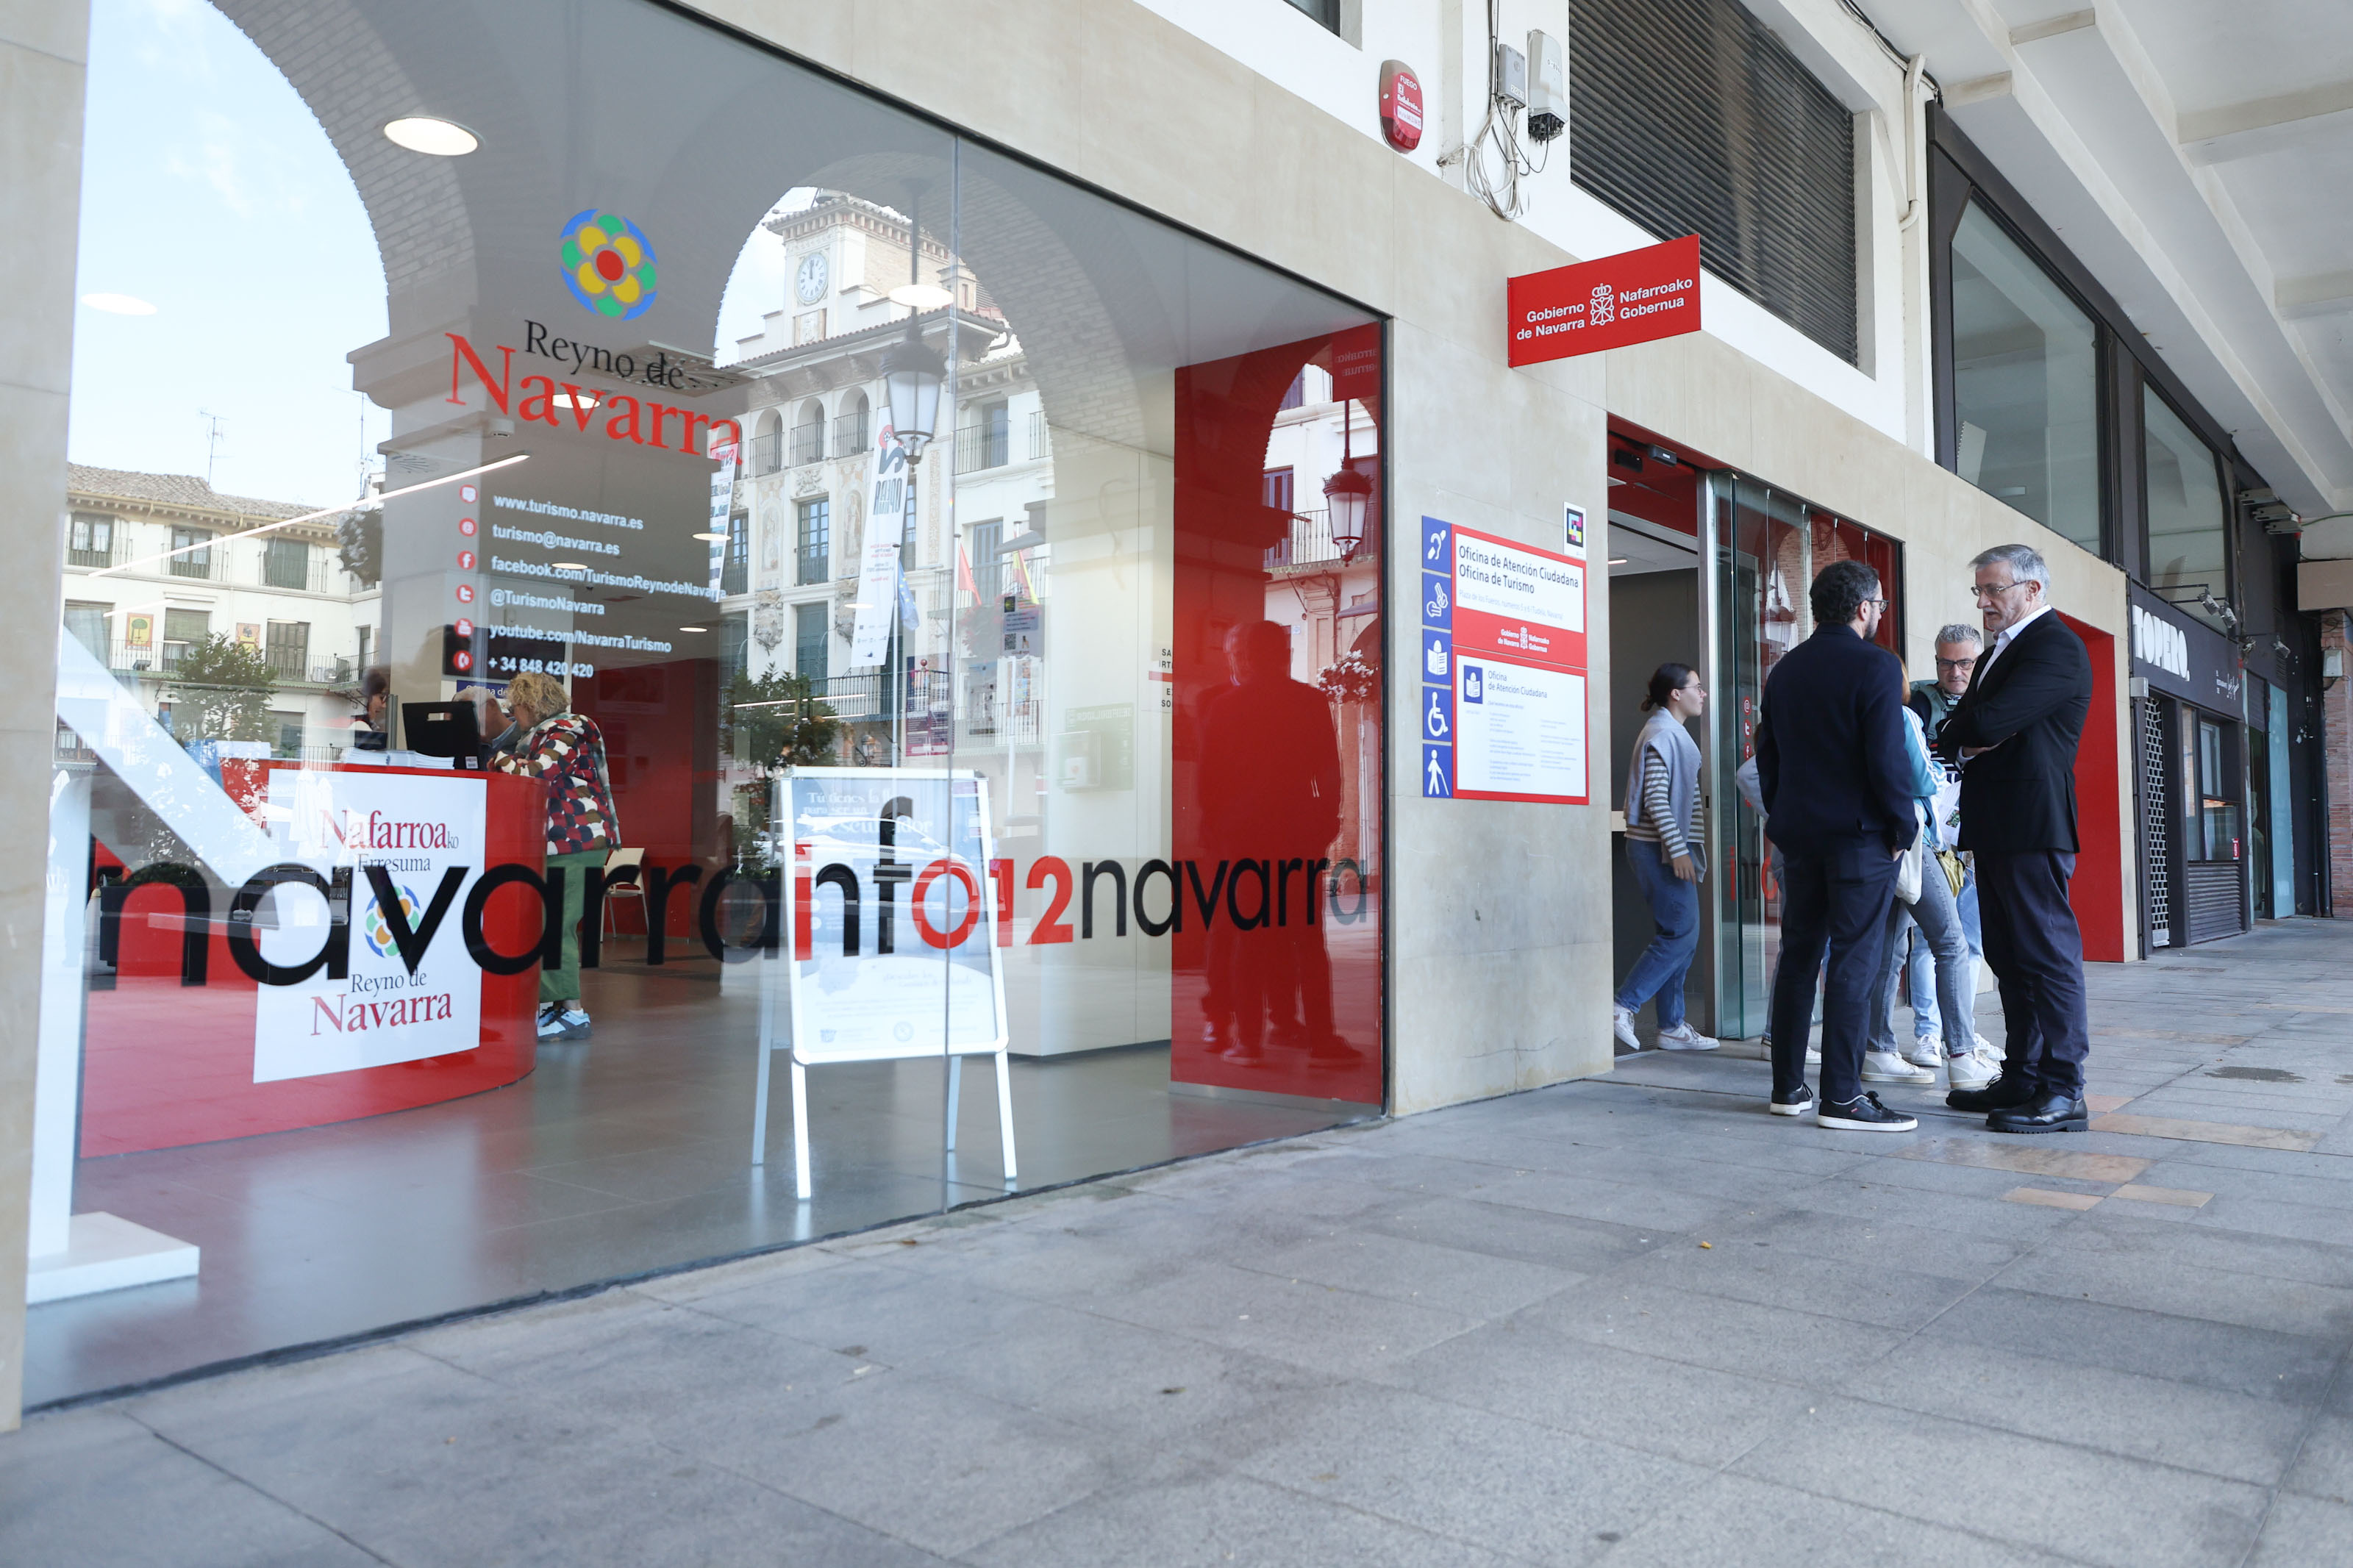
(2025, 383)
(964, 778)
(2187, 538)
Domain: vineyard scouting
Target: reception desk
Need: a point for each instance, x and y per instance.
(182, 1044)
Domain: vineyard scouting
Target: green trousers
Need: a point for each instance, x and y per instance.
(562, 983)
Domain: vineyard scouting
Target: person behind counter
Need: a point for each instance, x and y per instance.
(567, 749)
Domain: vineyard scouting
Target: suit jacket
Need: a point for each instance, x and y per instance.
(1831, 762)
(2030, 708)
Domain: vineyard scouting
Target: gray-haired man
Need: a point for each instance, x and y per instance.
(1957, 647)
(2017, 729)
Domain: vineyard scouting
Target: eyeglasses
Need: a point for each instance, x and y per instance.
(1984, 590)
(1956, 663)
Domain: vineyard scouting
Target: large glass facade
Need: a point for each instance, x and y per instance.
(967, 780)
(2025, 384)
(2188, 561)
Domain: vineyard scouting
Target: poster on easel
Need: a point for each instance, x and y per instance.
(894, 950)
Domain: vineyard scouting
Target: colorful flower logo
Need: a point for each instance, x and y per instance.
(609, 264)
(378, 933)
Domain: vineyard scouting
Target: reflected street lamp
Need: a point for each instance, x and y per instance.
(914, 374)
(1347, 496)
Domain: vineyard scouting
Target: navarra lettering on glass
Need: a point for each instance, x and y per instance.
(619, 415)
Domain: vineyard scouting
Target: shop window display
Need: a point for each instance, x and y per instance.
(852, 748)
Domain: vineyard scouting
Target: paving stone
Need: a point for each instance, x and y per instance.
(2287, 1367)
(2237, 1435)
(1451, 1278)
(94, 1487)
(419, 1461)
(2325, 1468)
(2305, 1532)
(1697, 1413)
(1711, 1331)
(1208, 1519)
(1736, 1267)
(1733, 1522)
(2024, 1490)
(1535, 1493)
(2152, 1281)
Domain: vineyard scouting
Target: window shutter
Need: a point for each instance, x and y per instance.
(1690, 117)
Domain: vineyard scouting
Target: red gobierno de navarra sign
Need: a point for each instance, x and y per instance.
(1631, 298)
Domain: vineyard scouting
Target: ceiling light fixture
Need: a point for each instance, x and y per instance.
(119, 304)
(438, 138)
(919, 296)
(1619, 560)
(712, 537)
(694, 628)
(584, 400)
(567, 566)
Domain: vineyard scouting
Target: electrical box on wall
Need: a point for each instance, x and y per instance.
(1548, 88)
(1511, 76)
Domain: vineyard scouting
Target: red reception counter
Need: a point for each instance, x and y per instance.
(185, 1047)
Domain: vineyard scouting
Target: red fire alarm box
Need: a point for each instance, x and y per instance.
(1400, 106)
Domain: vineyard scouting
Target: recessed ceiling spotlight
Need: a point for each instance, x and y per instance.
(119, 304)
(585, 400)
(567, 566)
(712, 537)
(694, 628)
(424, 133)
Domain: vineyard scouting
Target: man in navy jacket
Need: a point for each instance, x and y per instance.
(1837, 780)
(2015, 731)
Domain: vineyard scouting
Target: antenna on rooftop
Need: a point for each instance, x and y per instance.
(211, 443)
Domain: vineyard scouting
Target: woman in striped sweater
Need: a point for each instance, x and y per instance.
(1666, 837)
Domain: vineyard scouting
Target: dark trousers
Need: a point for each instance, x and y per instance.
(2036, 952)
(1836, 899)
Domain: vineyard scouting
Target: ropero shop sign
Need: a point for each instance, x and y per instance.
(1632, 298)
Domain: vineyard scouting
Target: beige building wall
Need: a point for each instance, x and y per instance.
(1501, 942)
(43, 49)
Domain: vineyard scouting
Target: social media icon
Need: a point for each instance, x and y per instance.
(462, 626)
(465, 592)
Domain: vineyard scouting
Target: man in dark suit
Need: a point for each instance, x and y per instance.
(2015, 729)
(1837, 782)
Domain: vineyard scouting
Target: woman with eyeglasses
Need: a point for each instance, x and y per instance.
(1666, 834)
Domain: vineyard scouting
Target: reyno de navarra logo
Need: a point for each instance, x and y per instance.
(609, 264)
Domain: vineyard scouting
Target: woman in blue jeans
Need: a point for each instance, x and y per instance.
(1666, 834)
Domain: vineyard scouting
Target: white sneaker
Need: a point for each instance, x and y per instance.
(1974, 1069)
(551, 1023)
(1621, 1024)
(1927, 1051)
(1886, 1067)
(1684, 1038)
(1813, 1056)
(1986, 1048)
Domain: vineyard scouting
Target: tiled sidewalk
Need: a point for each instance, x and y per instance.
(1635, 1321)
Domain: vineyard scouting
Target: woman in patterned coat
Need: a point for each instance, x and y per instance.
(567, 751)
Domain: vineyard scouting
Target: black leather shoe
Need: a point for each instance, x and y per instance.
(2002, 1094)
(2043, 1114)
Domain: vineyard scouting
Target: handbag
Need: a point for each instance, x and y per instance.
(1909, 867)
(1956, 870)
